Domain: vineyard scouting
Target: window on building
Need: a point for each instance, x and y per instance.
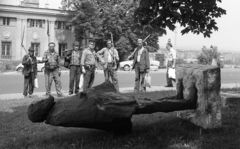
(62, 25)
(8, 21)
(36, 23)
(61, 49)
(6, 50)
(36, 47)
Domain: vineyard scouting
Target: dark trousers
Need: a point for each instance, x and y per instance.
(51, 75)
(89, 77)
(169, 80)
(75, 72)
(28, 84)
(139, 79)
(111, 73)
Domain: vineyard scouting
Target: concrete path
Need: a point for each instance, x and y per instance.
(122, 90)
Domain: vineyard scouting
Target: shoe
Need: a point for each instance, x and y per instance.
(70, 93)
(60, 95)
(47, 95)
(169, 86)
(25, 96)
(30, 96)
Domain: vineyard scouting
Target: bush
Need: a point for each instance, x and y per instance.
(8, 65)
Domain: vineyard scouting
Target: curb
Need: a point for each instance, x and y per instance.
(67, 71)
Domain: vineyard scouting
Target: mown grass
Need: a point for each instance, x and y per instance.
(154, 131)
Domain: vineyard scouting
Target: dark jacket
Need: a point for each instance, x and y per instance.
(144, 60)
(28, 66)
(68, 57)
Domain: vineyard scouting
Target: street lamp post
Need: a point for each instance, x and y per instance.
(176, 31)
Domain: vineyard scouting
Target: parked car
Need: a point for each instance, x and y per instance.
(127, 65)
(40, 65)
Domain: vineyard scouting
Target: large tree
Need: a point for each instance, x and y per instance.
(105, 17)
(196, 16)
(83, 16)
(208, 54)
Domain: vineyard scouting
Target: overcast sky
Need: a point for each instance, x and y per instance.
(227, 38)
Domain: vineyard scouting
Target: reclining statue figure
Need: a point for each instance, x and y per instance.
(101, 107)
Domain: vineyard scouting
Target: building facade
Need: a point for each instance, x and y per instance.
(32, 27)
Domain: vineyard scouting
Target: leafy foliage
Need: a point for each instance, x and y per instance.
(105, 17)
(196, 16)
(208, 55)
(83, 16)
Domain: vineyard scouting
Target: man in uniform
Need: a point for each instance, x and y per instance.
(74, 56)
(110, 56)
(171, 63)
(89, 64)
(52, 70)
(29, 71)
(141, 64)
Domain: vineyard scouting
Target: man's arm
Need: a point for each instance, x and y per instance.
(83, 60)
(58, 62)
(35, 66)
(174, 55)
(44, 59)
(147, 60)
(116, 54)
(68, 55)
(26, 60)
(101, 51)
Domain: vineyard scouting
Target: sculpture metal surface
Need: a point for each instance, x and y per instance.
(101, 107)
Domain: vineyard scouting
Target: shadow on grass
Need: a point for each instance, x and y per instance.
(154, 131)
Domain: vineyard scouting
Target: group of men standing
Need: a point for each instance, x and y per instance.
(84, 62)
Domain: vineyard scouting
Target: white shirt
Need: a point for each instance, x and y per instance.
(139, 54)
(172, 55)
(110, 54)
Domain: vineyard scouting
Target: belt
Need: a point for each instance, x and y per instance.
(89, 66)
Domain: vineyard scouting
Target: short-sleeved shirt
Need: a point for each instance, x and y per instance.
(52, 57)
(172, 55)
(88, 57)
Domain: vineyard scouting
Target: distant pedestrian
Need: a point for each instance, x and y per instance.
(74, 56)
(89, 64)
(29, 71)
(141, 64)
(171, 63)
(110, 56)
(52, 70)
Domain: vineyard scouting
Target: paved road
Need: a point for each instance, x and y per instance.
(13, 83)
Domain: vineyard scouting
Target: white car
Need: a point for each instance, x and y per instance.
(40, 65)
(127, 65)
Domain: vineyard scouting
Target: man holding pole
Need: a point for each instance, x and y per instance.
(29, 71)
(141, 64)
(110, 56)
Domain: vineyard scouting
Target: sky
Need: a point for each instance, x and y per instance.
(226, 38)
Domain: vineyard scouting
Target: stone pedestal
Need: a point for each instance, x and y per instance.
(206, 81)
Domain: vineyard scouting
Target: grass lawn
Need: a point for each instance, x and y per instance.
(153, 131)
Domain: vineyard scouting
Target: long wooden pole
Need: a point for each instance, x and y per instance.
(22, 40)
(136, 48)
